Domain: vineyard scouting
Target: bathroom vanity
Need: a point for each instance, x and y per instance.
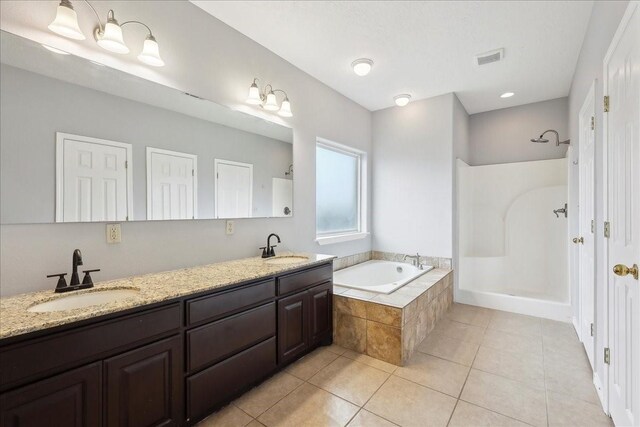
(187, 344)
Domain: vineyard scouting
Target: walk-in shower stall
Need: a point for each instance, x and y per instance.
(512, 246)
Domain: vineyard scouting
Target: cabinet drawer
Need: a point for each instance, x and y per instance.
(216, 385)
(213, 307)
(215, 341)
(304, 279)
(36, 358)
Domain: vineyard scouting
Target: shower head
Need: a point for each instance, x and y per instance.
(542, 139)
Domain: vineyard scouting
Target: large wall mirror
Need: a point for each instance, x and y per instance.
(83, 142)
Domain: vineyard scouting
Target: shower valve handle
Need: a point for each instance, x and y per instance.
(578, 240)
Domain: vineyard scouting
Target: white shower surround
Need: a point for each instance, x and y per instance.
(513, 251)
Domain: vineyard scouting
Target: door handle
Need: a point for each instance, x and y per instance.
(579, 240)
(623, 270)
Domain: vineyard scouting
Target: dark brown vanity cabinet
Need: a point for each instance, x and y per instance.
(143, 386)
(71, 399)
(173, 363)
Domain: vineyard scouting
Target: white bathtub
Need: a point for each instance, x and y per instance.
(378, 276)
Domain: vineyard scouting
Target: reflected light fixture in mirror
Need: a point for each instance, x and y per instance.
(267, 99)
(402, 100)
(109, 36)
(507, 95)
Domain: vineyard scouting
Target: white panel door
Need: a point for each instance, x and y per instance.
(93, 183)
(282, 198)
(586, 222)
(622, 73)
(234, 189)
(171, 184)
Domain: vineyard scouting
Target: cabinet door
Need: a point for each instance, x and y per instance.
(144, 386)
(320, 312)
(293, 336)
(70, 399)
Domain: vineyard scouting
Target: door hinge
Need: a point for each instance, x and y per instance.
(607, 229)
(127, 218)
(126, 164)
(593, 123)
(606, 103)
(193, 172)
(607, 356)
(592, 329)
(593, 226)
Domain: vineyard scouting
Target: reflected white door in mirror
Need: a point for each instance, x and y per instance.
(93, 182)
(172, 184)
(234, 189)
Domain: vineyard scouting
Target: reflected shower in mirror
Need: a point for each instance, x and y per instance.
(83, 142)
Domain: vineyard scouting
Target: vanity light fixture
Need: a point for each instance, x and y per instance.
(267, 99)
(108, 37)
(362, 66)
(507, 95)
(402, 100)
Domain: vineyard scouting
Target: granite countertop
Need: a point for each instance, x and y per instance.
(15, 319)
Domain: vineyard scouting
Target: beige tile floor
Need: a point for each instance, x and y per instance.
(478, 367)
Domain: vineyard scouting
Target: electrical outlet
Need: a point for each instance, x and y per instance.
(231, 227)
(114, 234)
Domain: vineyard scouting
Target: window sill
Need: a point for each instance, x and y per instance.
(339, 238)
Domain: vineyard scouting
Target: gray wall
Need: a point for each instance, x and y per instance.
(604, 21)
(502, 136)
(412, 177)
(210, 59)
(31, 113)
(461, 152)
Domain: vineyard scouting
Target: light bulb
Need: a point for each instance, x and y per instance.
(151, 53)
(111, 38)
(402, 100)
(254, 95)
(271, 104)
(285, 109)
(66, 22)
(362, 66)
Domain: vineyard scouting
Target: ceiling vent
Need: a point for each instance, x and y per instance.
(489, 57)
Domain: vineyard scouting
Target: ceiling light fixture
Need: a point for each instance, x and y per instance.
(108, 37)
(507, 95)
(402, 100)
(267, 99)
(54, 50)
(362, 66)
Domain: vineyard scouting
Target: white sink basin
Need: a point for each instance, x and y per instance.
(283, 260)
(69, 302)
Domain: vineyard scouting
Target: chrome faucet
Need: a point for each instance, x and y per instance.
(415, 259)
(267, 251)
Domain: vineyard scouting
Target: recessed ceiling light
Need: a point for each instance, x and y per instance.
(362, 66)
(507, 95)
(402, 100)
(54, 50)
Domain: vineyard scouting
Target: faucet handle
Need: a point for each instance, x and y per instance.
(62, 282)
(264, 252)
(272, 252)
(87, 276)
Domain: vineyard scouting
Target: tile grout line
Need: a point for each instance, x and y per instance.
(465, 383)
(544, 373)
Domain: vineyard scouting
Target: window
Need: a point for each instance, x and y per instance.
(340, 193)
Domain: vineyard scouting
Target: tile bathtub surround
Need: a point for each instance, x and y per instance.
(351, 260)
(390, 327)
(152, 288)
(437, 262)
(339, 387)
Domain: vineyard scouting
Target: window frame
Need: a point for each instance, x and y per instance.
(361, 232)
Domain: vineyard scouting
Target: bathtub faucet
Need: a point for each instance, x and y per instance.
(415, 259)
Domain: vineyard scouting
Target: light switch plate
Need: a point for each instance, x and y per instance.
(114, 234)
(231, 227)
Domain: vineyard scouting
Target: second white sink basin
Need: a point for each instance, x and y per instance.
(283, 260)
(69, 302)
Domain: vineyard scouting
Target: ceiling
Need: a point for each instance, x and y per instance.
(422, 48)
